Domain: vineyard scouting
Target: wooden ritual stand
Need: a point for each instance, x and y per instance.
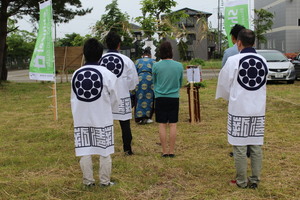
(194, 103)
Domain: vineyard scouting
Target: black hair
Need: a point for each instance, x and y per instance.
(92, 50)
(165, 50)
(247, 37)
(235, 30)
(113, 40)
(147, 51)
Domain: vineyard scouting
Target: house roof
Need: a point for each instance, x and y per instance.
(193, 12)
(134, 27)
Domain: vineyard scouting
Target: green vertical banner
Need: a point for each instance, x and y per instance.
(235, 12)
(42, 61)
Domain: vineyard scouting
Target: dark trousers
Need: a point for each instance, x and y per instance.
(126, 135)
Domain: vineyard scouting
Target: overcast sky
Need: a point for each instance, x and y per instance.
(82, 24)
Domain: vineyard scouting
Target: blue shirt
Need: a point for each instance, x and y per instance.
(229, 52)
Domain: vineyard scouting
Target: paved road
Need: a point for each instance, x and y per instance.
(23, 75)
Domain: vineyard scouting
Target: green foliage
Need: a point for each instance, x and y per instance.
(202, 84)
(182, 48)
(20, 43)
(166, 25)
(209, 64)
(197, 61)
(262, 23)
(114, 20)
(213, 64)
(63, 11)
(151, 16)
(70, 40)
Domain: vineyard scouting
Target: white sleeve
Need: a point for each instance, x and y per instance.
(113, 93)
(225, 79)
(132, 77)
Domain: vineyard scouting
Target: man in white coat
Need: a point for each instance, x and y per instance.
(242, 81)
(127, 79)
(93, 99)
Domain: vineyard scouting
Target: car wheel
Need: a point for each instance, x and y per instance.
(290, 82)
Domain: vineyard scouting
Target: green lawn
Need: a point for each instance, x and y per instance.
(37, 159)
(209, 64)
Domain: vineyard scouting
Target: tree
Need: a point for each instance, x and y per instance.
(213, 37)
(20, 45)
(157, 17)
(71, 40)
(114, 20)
(182, 48)
(64, 10)
(151, 16)
(262, 23)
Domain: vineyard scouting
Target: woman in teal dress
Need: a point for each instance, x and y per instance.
(144, 94)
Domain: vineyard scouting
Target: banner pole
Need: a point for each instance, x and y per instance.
(54, 101)
(54, 91)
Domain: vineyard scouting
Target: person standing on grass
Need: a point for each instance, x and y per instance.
(144, 105)
(231, 51)
(167, 79)
(93, 99)
(242, 81)
(127, 79)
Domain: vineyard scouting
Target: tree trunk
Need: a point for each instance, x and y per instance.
(3, 35)
(4, 69)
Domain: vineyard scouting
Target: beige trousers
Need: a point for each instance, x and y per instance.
(240, 159)
(86, 166)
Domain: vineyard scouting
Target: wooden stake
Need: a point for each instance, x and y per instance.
(64, 65)
(54, 101)
(192, 102)
(82, 60)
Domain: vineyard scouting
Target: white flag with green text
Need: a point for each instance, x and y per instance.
(235, 12)
(42, 61)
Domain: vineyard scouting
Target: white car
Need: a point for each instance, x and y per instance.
(280, 68)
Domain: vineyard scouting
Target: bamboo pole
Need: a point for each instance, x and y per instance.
(64, 65)
(82, 60)
(54, 101)
(192, 102)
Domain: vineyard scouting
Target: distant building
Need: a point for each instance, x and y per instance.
(197, 40)
(285, 33)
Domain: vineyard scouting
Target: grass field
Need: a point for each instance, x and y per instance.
(37, 159)
(209, 64)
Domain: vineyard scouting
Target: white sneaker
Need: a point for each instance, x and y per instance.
(149, 121)
(107, 185)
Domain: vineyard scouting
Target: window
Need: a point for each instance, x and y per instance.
(298, 22)
(189, 55)
(191, 38)
(282, 46)
(269, 44)
(187, 22)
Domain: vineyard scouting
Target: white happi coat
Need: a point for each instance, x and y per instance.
(93, 98)
(242, 81)
(127, 76)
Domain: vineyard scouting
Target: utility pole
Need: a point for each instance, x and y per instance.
(220, 24)
(219, 27)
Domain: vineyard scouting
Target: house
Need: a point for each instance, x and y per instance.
(197, 40)
(285, 33)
